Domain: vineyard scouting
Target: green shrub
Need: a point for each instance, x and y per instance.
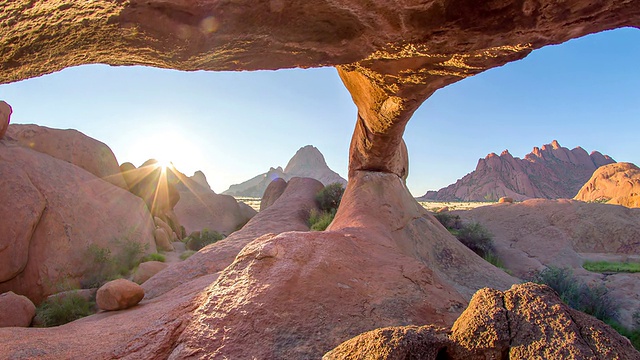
(607, 266)
(59, 311)
(320, 220)
(476, 237)
(187, 254)
(154, 257)
(329, 197)
(632, 335)
(593, 300)
(448, 220)
(198, 240)
(105, 266)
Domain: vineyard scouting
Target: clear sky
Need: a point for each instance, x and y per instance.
(234, 126)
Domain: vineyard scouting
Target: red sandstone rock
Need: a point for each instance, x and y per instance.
(289, 214)
(553, 172)
(272, 193)
(529, 321)
(15, 310)
(71, 146)
(394, 343)
(507, 200)
(119, 294)
(5, 117)
(163, 240)
(52, 212)
(614, 184)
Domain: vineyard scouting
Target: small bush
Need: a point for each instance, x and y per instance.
(105, 266)
(154, 257)
(63, 310)
(448, 220)
(593, 300)
(476, 237)
(320, 220)
(329, 197)
(632, 335)
(607, 266)
(187, 254)
(197, 241)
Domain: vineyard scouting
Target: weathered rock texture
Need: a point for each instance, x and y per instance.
(71, 146)
(289, 214)
(307, 162)
(550, 172)
(15, 310)
(147, 269)
(51, 213)
(613, 184)
(528, 321)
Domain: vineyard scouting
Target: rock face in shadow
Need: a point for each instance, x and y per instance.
(528, 321)
(550, 172)
(5, 117)
(613, 184)
(52, 212)
(275, 189)
(71, 146)
(307, 162)
(201, 208)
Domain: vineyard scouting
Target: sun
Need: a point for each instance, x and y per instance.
(171, 148)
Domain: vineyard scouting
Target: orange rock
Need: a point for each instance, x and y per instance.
(147, 269)
(163, 241)
(614, 184)
(504, 199)
(15, 310)
(119, 294)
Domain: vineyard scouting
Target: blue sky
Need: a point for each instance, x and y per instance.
(234, 126)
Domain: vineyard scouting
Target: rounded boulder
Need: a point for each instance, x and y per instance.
(16, 310)
(118, 295)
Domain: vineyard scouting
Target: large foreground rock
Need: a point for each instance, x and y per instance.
(613, 184)
(52, 213)
(528, 321)
(71, 146)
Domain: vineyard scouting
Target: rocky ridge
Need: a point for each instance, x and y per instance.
(308, 162)
(550, 172)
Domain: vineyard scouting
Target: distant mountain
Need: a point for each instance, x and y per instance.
(551, 172)
(307, 162)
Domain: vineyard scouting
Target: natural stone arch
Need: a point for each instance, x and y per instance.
(390, 55)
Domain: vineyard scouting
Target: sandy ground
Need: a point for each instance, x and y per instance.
(434, 206)
(253, 202)
(429, 205)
